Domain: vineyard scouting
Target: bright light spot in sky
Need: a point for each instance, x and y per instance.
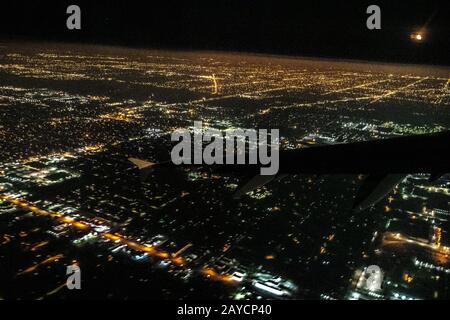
(417, 36)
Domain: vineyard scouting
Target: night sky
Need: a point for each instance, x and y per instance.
(307, 27)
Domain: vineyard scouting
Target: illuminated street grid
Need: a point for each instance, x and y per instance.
(70, 116)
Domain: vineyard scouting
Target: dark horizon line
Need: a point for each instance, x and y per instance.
(125, 45)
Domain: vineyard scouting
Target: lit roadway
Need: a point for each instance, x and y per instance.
(176, 259)
(391, 238)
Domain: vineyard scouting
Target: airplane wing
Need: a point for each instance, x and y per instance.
(386, 163)
(411, 154)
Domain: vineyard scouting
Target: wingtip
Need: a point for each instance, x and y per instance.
(141, 164)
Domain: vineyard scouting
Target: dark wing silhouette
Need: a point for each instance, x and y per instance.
(386, 162)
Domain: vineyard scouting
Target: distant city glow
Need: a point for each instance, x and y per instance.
(71, 116)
